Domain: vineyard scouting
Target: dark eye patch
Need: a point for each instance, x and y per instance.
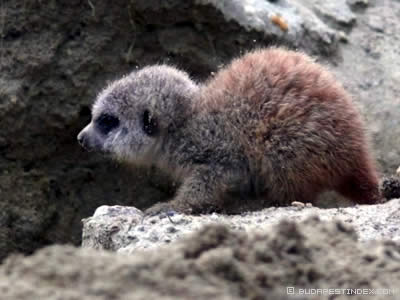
(106, 123)
(150, 126)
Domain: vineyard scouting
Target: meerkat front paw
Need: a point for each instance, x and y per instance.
(158, 209)
(168, 208)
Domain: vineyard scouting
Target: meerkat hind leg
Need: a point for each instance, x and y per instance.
(362, 187)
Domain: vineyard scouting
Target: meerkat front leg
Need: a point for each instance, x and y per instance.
(201, 192)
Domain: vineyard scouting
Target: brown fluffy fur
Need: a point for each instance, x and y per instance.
(299, 125)
(273, 124)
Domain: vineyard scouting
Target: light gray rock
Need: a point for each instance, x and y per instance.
(358, 3)
(304, 28)
(369, 69)
(125, 230)
(337, 11)
(115, 228)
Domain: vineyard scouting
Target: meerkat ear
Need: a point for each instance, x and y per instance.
(150, 124)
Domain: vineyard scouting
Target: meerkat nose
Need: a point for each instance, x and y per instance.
(81, 140)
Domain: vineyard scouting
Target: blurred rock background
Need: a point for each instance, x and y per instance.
(55, 56)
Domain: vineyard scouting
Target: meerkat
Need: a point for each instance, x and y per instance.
(273, 123)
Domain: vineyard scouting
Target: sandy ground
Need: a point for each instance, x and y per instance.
(322, 259)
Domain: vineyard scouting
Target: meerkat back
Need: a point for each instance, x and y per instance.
(298, 125)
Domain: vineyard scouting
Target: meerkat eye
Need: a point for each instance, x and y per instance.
(106, 123)
(149, 123)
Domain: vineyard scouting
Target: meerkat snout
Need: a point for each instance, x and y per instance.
(92, 137)
(83, 140)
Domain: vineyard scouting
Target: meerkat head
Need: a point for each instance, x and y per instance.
(133, 115)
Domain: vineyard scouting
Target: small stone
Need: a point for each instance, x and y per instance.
(154, 236)
(298, 204)
(337, 11)
(309, 204)
(358, 3)
(376, 23)
(343, 37)
(390, 187)
(171, 229)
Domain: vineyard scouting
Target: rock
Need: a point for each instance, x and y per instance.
(300, 25)
(298, 204)
(390, 187)
(216, 263)
(369, 69)
(127, 231)
(115, 222)
(56, 56)
(343, 37)
(358, 3)
(376, 23)
(337, 11)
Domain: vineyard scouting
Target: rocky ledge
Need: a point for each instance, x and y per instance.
(57, 55)
(125, 229)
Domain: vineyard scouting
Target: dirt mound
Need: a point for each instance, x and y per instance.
(216, 263)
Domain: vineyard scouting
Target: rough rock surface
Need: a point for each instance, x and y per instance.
(124, 229)
(56, 55)
(216, 263)
(337, 12)
(370, 70)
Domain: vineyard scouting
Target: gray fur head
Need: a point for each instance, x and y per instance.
(133, 115)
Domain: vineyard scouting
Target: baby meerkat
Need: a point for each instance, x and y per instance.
(272, 124)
